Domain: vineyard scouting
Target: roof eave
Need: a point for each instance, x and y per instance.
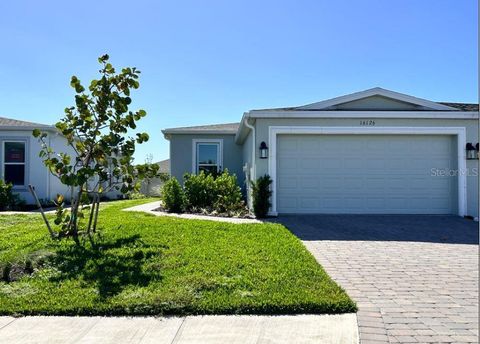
(199, 132)
(360, 113)
(23, 127)
(243, 130)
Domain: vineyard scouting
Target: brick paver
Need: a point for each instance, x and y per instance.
(414, 278)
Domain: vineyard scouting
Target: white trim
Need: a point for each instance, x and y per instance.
(460, 132)
(194, 152)
(167, 132)
(27, 128)
(378, 91)
(363, 114)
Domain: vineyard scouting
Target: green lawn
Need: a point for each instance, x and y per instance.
(161, 265)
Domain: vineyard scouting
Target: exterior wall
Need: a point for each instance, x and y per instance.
(262, 127)
(154, 188)
(36, 174)
(181, 154)
(59, 144)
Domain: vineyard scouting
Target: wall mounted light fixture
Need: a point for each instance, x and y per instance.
(263, 150)
(471, 151)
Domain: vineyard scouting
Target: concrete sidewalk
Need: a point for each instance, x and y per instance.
(325, 329)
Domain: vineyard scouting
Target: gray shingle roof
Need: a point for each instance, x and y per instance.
(15, 123)
(164, 166)
(225, 128)
(462, 106)
(459, 106)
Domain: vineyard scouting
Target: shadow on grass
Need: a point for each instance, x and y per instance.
(110, 265)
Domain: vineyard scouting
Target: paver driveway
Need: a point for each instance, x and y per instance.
(414, 278)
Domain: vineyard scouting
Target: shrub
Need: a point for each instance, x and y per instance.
(173, 196)
(8, 199)
(136, 195)
(261, 196)
(199, 191)
(228, 194)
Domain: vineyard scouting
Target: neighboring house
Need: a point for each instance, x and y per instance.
(153, 187)
(20, 163)
(371, 152)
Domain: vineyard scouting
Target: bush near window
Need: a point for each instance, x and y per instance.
(261, 196)
(199, 191)
(228, 195)
(8, 199)
(173, 196)
(208, 194)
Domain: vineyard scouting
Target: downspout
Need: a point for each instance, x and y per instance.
(254, 165)
(49, 193)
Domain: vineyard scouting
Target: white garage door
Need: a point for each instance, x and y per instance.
(369, 174)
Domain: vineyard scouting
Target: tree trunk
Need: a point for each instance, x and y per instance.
(73, 225)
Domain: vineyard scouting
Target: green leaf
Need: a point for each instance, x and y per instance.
(103, 58)
(36, 132)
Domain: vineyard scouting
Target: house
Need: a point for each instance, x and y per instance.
(20, 163)
(371, 152)
(153, 187)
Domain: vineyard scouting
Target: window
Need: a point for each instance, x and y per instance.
(14, 162)
(207, 156)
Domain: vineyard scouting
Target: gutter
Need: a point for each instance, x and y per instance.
(19, 127)
(166, 132)
(252, 128)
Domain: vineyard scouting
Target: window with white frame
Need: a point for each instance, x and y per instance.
(207, 156)
(14, 162)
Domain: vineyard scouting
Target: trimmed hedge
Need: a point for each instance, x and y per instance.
(173, 196)
(205, 193)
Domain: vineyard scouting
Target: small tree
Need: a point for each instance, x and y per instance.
(96, 129)
(261, 194)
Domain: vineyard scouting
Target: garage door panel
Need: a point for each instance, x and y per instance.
(309, 164)
(309, 203)
(375, 164)
(354, 183)
(353, 163)
(288, 203)
(398, 203)
(330, 163)
(309, 184)
(365, 174)
(373, 203)
(375, 183)
(287, 183)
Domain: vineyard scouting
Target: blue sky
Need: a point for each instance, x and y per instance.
(209, 61)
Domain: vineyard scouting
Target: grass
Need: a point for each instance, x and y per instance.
(144, 264)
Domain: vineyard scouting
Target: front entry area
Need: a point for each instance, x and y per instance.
(366, 174)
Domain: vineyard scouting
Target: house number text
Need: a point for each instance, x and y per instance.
(367, 122)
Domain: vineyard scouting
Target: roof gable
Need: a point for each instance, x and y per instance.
(377, 99)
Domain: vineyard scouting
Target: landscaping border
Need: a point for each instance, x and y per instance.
(150, 208)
